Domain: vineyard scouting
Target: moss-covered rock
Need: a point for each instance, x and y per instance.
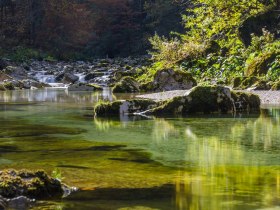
(260, 65)
(276, 86)
(123, 107)
(126, 85)
(202, 99)
(169, 79)
(207, 99)
(31, 184)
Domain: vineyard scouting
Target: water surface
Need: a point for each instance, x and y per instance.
(194, 163)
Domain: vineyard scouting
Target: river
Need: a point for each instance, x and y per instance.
(228, 162)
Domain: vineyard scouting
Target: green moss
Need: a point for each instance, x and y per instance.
(107, 108)
(27, 183)
(126, 85)
(207, 99)
(260, 65)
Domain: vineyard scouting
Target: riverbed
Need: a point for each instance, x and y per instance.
(207, 162)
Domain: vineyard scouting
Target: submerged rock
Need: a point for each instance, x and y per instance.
(20, 202)
(30, 184)
(126, 85)
(123, 107)
(84, 87)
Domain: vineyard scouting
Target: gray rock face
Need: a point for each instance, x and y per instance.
(127, 85)
(69, 78)
(169, 79)
(17, 72)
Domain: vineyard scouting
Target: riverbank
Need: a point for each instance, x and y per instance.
(267, 97)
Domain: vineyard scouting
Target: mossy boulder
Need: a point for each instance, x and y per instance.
(276, 86)
(207, 99)
(105, 109)
(30, 184)
(126, 85)
(170, 79)
(260, 65)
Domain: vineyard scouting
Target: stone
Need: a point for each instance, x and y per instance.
(207, 99)
(126, 85)
(28, 183)
(106, 109)
(84, 87)
(4, 77)
(170, 79)
(16, 72)
(69, 78)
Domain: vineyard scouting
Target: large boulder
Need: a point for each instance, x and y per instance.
(106, 109)
(126, 85)
(66, 78)
(16, 72)
(30, 184)
(208, 99)
(84, 87)
(4, 77)
(69, 78)
(170, 79)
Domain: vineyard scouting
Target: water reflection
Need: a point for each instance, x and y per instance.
(55, 95)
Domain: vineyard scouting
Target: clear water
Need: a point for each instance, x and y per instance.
(197, 163)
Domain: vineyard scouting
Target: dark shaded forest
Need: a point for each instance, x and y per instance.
(93, 28)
